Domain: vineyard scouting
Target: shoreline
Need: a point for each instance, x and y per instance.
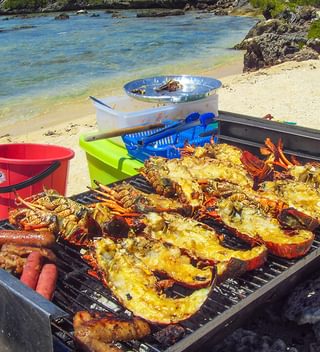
(77, 108)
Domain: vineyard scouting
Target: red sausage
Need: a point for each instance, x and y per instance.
(47, 281)
(27, 238)
(31, 270)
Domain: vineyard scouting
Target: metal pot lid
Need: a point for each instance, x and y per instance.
(172, 89)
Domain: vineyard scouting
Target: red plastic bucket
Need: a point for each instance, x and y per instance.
(28, 167)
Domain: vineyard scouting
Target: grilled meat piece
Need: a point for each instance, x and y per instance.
(13, 257)
(12, 262)
(96, 331)
(24, 251)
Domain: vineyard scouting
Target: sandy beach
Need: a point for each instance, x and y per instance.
(289, 91)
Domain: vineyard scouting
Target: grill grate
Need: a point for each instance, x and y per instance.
(76, 290)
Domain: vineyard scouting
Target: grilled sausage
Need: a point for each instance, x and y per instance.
(27, 238)
(31, 270)
(47, 281)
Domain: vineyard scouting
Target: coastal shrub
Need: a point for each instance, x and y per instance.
(314, 30)
(24, 4)
(277, 6)
(273, 6)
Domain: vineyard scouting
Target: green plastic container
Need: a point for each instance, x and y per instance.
(108, 161)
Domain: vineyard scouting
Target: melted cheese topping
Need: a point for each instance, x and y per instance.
(194, 237)
(220, 151)
(308, 173)
(251, 221)
(299, 195)
(212, 169)
(131, 281)
(169, 260)
(190, 188)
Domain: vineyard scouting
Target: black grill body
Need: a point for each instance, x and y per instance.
(230, 302)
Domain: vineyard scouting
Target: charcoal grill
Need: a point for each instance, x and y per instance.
(48, 326)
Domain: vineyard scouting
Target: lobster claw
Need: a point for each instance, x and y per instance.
(293, 218)
(257, 168)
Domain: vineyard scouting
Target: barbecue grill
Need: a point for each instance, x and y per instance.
(31, 323)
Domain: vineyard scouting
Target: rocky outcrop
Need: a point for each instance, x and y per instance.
(214, 6)
(160, 13)
(17, 28)
(224, 7)
(285, 38)
(62, 16)
(71, 5)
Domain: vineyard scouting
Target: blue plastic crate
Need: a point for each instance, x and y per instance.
(167, 147)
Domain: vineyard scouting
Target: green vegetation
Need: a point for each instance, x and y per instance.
(277, 6)
(37, 4)
(24, 4)
(314, 31)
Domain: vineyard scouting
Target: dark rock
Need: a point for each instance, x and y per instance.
(314, 347)
(62, 16)
(223, 4)
(274, 26)
(124, 5)
(305, 54)
(305, 13)
(314, 44)
(241, 3)
(95, 15)
(303, 305)
(188, 7)
(202, 6)
(220, 12)
(284, 38)
(242, 340)
(160, 13)
(53, 7)
(117, 14)
(316, 330)
(270, 49)
(287, 15)
(301, 15)
(17, 28)
(267, 13)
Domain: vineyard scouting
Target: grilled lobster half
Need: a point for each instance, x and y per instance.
(136, 287)
(200, 241)
(284, 236)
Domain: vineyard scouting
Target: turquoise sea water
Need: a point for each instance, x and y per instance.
(44, 61)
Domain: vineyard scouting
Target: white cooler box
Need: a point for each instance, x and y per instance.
(126, 112)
